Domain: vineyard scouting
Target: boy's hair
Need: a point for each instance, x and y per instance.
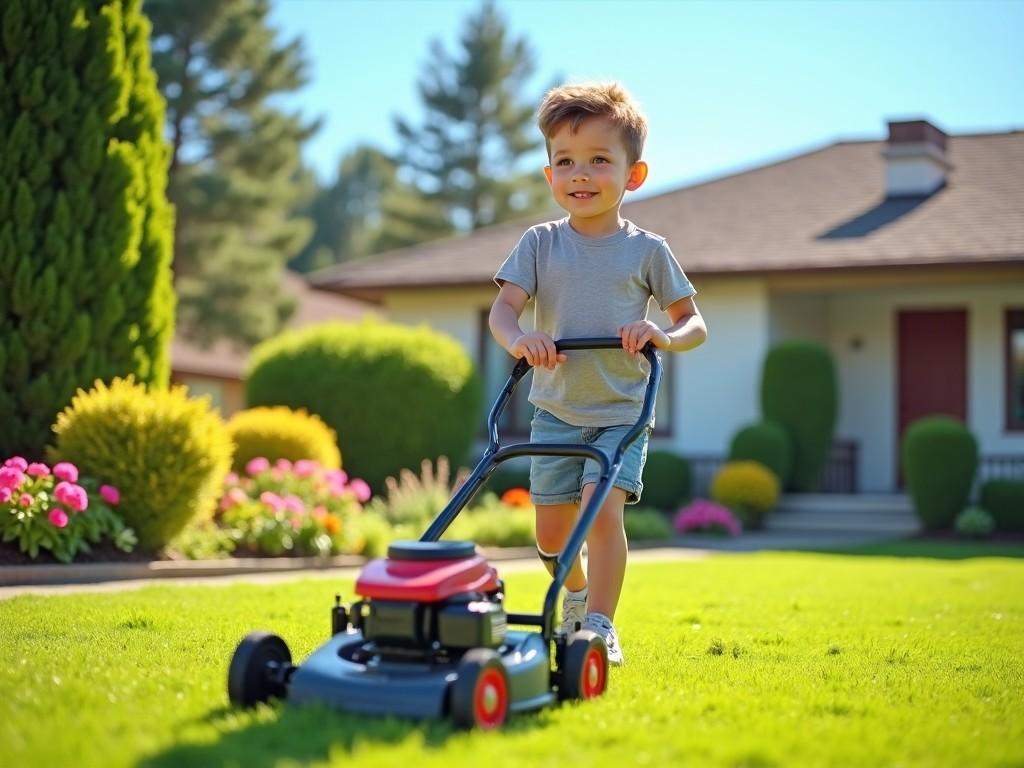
(575, 103)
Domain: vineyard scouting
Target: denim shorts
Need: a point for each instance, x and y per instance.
(560, 479)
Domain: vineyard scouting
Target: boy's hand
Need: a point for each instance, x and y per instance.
(636, 334)
(538, 349)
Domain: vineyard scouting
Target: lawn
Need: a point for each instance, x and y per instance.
(736, 660)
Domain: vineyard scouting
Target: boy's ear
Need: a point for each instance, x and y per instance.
(547, 174)
(637, 175)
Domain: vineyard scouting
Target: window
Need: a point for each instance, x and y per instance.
(496, 365)
(1014, 364)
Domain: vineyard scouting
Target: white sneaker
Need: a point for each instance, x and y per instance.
(574, 610)
(602, 625)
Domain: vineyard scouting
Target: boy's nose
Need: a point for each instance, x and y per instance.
(580, 176)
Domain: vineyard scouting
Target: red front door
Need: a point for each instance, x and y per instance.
(931, 367)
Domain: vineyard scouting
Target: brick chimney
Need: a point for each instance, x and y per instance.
(915, 159)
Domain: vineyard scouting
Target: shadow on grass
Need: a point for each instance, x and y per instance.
(937, 549)
(308, 733)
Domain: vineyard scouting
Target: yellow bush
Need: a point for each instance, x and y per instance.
(748, 488)
(167, 454)
(278, 432)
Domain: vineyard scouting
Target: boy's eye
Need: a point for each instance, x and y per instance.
(563, 161)
(600, 159)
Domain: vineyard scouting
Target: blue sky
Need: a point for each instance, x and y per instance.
(725, 85)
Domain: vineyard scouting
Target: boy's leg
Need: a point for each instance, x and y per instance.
(554, 524)
(606, 552)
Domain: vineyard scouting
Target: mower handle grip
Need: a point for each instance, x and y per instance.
(583, 342)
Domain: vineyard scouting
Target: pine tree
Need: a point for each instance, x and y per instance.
(367, 210)
(85, 226)
(235, 164)
(467, 154)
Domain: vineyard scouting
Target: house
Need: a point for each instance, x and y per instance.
(219, 371)
(905, 256)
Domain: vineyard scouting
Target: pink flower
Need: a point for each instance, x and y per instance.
(272, 500)
(110, 494)
(6, 494)
(58, 517)
(11, 477)
(305, 467)
(257, 465)
(38, 469)
(361, 489)
(17, 462)
(704, 515)
(294, 503)
(338, 476)
(66, 471)
(319, 512)
(284, 465)
(231, 479)
(72, 495)
(26, 499)
(233, 498)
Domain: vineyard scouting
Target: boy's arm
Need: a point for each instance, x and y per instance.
(687, 331)
(537, 348)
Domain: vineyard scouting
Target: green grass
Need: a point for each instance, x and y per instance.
(939, 548)
(737, 660)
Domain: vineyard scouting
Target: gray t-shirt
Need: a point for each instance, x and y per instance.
(585, 286)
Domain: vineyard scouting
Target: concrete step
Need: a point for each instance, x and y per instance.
(853, 513)
(823, 503)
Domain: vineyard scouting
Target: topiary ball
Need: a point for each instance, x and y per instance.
(396, 394)
(940, 457)
(167, 453)
(667, 480)
(767, 443)
(280, 432)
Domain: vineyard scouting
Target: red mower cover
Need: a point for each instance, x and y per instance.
(425, 581)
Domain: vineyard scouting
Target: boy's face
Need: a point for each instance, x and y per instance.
(590, 171)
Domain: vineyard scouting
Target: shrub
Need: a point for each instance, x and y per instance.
(58, 511)
(940, 457)
(975, 522)
(85, 246)
(168, 454)
(799, 393)
(412, 501)
(748, 488)
(493, 523)
(703, 516)
(508, 476)
(1005, 500)
(396, 394)
(667, 480)
(282, 433)
(766, 443)
(292, 509)
(646, 524)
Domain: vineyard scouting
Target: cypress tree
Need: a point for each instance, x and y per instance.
(85, 226)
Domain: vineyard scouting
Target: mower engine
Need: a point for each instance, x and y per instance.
(430, 597)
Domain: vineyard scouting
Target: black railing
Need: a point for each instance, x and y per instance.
(838, 476)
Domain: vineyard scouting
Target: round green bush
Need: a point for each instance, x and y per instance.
(166, 453)
(646, 524)
(799, 392)
(975, 523)
(940, 457)
(1005, 500)
(667, 480)
(766, 443)
(396, 394)
(282, 433)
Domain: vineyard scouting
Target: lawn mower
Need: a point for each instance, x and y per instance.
(429, 636)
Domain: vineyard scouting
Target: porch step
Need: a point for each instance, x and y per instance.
(889, 514)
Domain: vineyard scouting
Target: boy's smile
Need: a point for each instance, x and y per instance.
(589, 174)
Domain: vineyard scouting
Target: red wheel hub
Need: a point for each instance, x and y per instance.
(490, 699)
(593, 674)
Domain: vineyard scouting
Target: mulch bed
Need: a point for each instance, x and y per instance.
(104, 552)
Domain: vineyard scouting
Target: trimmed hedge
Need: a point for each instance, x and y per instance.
(668, 480)
(940, 457)
(279, 432)
(1004, 499)
(766, 443)
(800, 393)
(166, 453)
(396, 395)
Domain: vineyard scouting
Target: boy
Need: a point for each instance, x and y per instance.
(590, 274)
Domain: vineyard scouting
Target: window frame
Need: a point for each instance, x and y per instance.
(1013, 321)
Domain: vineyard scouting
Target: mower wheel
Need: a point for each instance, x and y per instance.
(585, 672)
(257, 658)
(479, 697)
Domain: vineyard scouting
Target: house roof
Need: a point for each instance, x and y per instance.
(226, 360)
(823, 209)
